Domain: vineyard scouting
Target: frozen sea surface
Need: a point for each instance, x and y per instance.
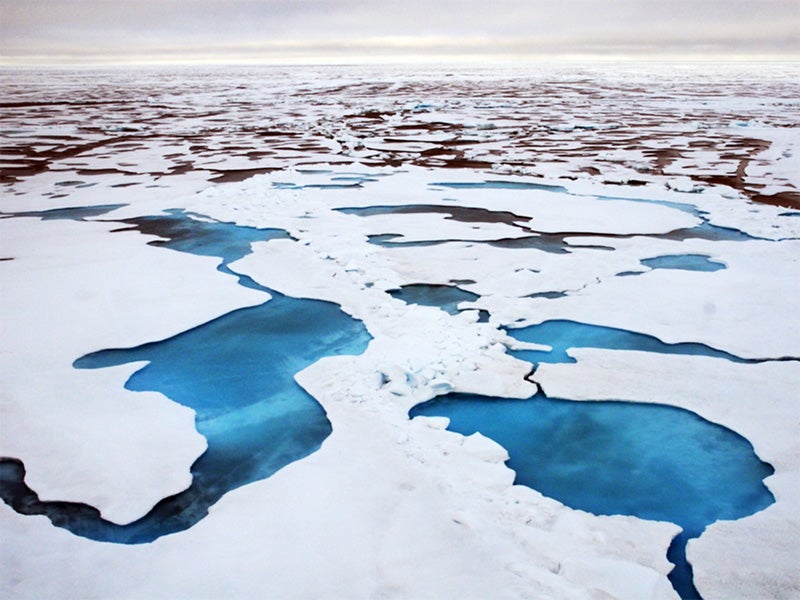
(355, 241)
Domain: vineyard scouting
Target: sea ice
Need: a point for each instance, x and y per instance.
(593, 161)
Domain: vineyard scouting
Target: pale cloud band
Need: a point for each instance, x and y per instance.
(108, 31)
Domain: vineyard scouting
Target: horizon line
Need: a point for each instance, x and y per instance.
(466, 59)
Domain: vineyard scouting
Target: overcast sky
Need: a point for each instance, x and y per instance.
(286, 31)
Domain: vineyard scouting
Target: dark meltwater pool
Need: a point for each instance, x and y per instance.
(446, 297)
(684, 262)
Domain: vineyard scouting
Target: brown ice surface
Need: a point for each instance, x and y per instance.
(132, 128)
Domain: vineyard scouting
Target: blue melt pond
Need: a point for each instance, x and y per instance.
(236, 372)
(656, 462)
(609, 458)
(563, 334)
(685, 262)
(651, 461)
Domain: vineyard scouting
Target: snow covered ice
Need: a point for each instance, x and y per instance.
(441, 214)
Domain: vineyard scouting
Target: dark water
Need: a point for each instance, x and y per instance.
(552, 242)
(463, 214)
(446, 297)
(204, 237)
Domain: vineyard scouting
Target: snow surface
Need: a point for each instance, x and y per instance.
(392, 507)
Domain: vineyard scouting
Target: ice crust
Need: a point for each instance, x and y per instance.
(392, 507)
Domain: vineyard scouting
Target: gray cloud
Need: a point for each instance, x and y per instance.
(87, 30)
